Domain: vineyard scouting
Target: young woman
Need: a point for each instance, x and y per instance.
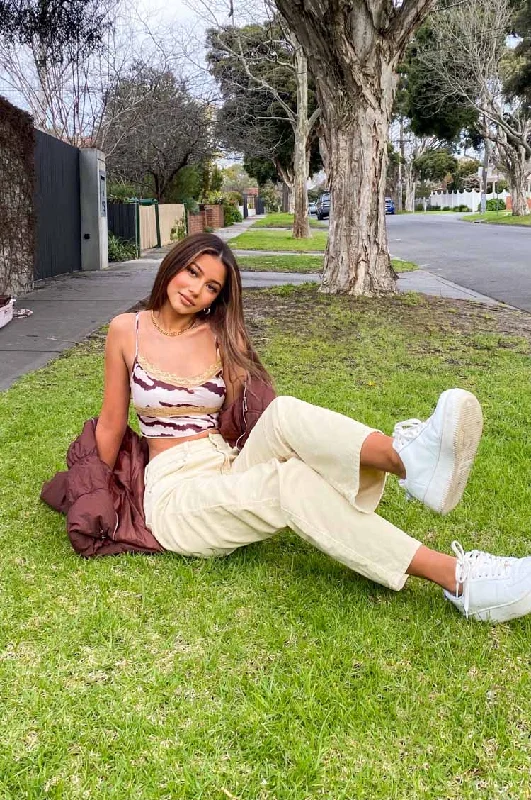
(320, 473)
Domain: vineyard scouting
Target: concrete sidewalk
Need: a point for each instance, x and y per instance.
(70, 307)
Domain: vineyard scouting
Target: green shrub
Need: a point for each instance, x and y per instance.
(496, 204)
(236, 198)
(231, 214)
(462, 207)
(208, 229)
(433, 208)
(191, 205)
(447, 208)
(121, 250)
(178, 231)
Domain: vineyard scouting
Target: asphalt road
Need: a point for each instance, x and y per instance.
(492, 259)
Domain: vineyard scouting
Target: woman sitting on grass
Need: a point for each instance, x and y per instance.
(320, 473)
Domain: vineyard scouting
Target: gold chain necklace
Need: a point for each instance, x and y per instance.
(171, 333)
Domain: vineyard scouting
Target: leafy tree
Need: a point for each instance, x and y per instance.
(435, 165)
(519, 81)
(261, 169)
(430, 112)
(236, 179)
(59, 26)
(269, 112)
(472, 62)
(465, 175)
(52, 53)
(155, 129)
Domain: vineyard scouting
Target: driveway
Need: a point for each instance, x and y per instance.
(492, 259)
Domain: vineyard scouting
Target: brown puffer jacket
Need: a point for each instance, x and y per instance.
(104, 507)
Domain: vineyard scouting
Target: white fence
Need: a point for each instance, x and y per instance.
(471, 199)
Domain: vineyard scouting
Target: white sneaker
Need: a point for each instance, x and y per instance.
(494, 588)
(438, 454)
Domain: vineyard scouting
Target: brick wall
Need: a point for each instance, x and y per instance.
(211, 217)
(196, 222)
(214, 216)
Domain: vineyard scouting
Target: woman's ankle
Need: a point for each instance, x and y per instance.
(434, 566)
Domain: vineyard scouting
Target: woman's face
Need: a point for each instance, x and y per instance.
(196, 286)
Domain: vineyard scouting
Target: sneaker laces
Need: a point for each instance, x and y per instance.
(476, 564)
(406, 431)
(403, 433)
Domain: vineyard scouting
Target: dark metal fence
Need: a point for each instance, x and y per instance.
(122, 220)
(57, 207)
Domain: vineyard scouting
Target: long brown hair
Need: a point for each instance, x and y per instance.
(226, 312)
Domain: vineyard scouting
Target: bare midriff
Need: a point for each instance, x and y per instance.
(159, 445)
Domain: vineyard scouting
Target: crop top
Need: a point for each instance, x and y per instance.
(169, 406)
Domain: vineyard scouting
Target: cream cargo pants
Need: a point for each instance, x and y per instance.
(299, 468)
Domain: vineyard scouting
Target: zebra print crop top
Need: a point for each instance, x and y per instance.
(169, 406)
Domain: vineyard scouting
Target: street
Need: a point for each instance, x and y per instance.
(492, 259)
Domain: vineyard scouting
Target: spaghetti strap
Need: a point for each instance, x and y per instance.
(218, 354)
(136, 334)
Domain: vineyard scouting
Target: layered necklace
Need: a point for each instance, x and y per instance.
(171, 333)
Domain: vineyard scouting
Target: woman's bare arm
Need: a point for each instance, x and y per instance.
(112, 421)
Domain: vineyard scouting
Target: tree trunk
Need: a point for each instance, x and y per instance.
(287, 197)
(301, 223)
(516, 166)
(518, 196)
(401, 162)
(355, 47)
(357, 258)
(485, 173)
(287, 187)
(411, 194)
(411, 186)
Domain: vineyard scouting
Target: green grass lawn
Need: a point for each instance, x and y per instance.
(301, 263)
(399, 265)
(500, 217)
(295, 263)
(284, 220)
(278, 240)
(274, 674)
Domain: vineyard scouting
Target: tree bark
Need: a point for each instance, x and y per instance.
(287, 196)
(301, 223)
(517, 167)
(518, 189)
(485, 174)
(355, 46)
(287, 179)
(401, 162)
(357, 259)
(411, 188)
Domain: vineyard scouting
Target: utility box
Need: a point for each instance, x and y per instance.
(94, 227)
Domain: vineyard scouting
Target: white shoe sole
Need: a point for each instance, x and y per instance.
(494, 614)
(462, 426)
(514, 610)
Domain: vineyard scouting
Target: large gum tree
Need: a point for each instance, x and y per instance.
(353, 49)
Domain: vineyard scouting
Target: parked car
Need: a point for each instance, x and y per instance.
(323, 206)
(312, 208)
(389, 205)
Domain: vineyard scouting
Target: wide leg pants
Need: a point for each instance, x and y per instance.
(299, 468)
